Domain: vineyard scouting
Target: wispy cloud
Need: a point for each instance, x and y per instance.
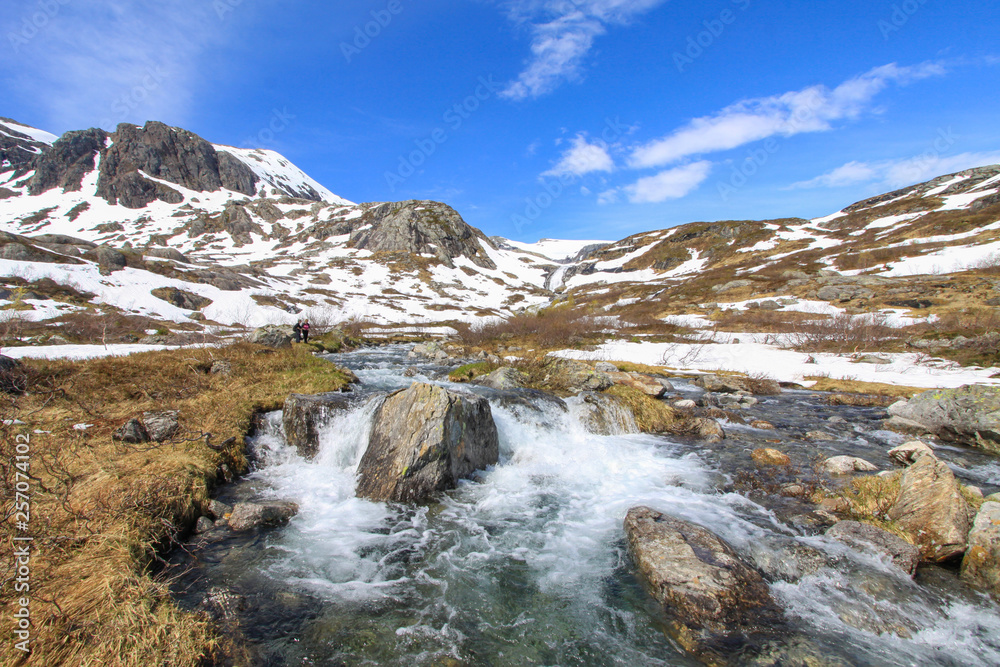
(894, 174)
(97, 62)
(670, 184)
(563, 32)
(582, 158)
(811, 109)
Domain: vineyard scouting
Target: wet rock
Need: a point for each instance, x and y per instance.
(762, 425)
(705, 428)
(647, 384)
(203, 525)
(223, 604)
(685, 404)
(161, 425)
(793, 491)
(781, 558)
(272, 335)
(423, 441)
(820, 435)
(770, 457)
(504, 379)
(304, 416)
(218, 509)
(132, 432)
(715, 602)
(846, 465)
(969, 415)
(981, 565)
(908, 453)
(411, 372)
(247, 516)
(866, 537)
(731, 384)
(604, 415)
(931, 510)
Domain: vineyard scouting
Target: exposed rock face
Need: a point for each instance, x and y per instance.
(969, 415)
(981, 565)
(604, 415)
(273, 335)
(423, 441)
(304, 416)
(932, 511)
(421, 227)
(866, 537)
(247, 516)
(181, 298)
(715, 602)
(67, 161)
(18, 150)
(166, 153)
(108, 259)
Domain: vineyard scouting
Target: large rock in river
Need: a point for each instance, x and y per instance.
(423, 441)
(969, 415)
(932, 511)
(981, 565)
(716, 603)
(303, 416)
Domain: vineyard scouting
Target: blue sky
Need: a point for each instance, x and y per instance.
(540, 118)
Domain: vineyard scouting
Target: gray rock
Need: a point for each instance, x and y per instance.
(65, 164)
(969, 415)
(866, 537)
(605, 367)
(108, 259)
(715, 602)
(504, 379)
(218, 509)
(731, 384)
(578, 376)
(132, 432)
(781, 558)
(908, 453)
(247, 516)
(167, 253)
(647, 384)
(981, 565)
(203, 525)
(844, 293)
(846, 465)
(423, 441)
(732, 285)
(604, 415)
(304, 416)
(273, 335)
(161, 425)
(181, 298)
(932, 511)
(820, 435)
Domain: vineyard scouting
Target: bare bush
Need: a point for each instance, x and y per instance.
(845, 333)
(553, 327)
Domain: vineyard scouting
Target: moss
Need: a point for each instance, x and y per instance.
(471, 371)
(651, 415)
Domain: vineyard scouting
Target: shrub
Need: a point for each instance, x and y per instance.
(845, 333)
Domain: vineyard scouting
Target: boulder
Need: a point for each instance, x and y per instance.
(715, 602)
(731, 384)
(272, 335)
(705, 428)
(132, 432)
(161, 425)
(203, 525)
(181, 298)
(685, 404)
(504, 379)
(218, 509)
(931, 510)
(908, 453)
(304, 416)
(770, 457)
(247, 516)
(423, 441)
(762, 425)
(647, 384)
(981, 565)
(605, 367)
(577, 376)
(846, 465)
(865, 537)
(968, 415)
(604, 415)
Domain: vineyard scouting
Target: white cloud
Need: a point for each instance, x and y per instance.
(895, 174)
(582, 158)
(809, 110)
(670, 184)
(563, 34)
(608, 197)
(100, 62)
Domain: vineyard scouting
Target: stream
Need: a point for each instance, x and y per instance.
(526, 564)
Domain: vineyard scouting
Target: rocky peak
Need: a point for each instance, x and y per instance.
(68, 160)
(17, 149)
(420, 228)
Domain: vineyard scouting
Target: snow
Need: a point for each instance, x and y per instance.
(752, 357)
(941, 188)
(33, 132)
(948, 259)
(77, 352)
(273, 168)
(556, 250)
(963, 201)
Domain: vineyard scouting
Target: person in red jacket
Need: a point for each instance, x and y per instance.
(305, 331)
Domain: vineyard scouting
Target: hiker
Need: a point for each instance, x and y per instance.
(305, 331)
(297, 330)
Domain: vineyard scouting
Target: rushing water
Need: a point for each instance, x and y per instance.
(526, 564)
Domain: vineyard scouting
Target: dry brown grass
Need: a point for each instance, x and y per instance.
(651, 415)
(843, 386)
(558, 327)
(103, 511)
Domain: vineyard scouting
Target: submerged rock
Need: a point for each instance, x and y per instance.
(932, 511)
(969, 415)
(247, 516)
(423, 441)
(865, 537)
(981, 565)
(716, 603)
(303, 417)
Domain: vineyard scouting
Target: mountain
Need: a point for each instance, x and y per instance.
(155, 221)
